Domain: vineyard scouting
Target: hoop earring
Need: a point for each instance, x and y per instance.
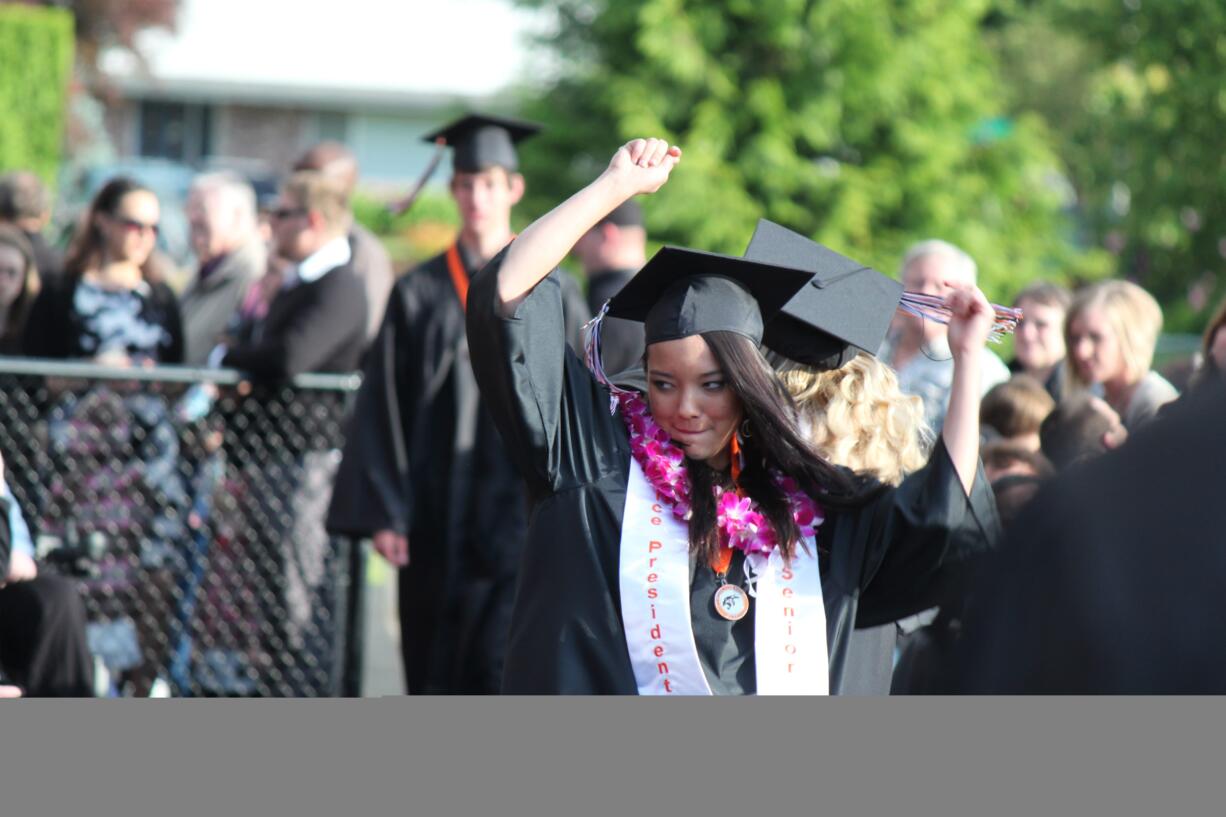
(744, 429)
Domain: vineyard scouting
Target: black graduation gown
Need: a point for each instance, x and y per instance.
(423, 458)
(893, 557)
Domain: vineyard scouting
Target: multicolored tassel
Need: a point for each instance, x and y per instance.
(593, 358)
(932, 307)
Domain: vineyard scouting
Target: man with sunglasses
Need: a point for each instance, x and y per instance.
(317, 320)
(371, 263)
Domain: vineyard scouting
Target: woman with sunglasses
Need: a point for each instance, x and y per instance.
(111, 304)
(689, 540)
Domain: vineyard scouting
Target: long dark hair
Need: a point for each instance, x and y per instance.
(19, 310)
(774, 442)
(85, 251)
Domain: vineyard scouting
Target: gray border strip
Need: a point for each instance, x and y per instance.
(625, 757)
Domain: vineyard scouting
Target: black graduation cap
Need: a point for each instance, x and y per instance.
(480, 142)
(682, 292)
(627, 214)
(845, 308)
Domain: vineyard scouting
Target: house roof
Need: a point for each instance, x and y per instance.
(364, 53)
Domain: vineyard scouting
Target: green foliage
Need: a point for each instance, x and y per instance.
(866, 124)
(1135, 91)
(428, 227)
(36, 47)
(431, 207)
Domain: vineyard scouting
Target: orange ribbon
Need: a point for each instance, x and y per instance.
(459, 276)
(736, 460)
(721, 561)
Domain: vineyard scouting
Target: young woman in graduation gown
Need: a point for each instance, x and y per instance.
(606, 603)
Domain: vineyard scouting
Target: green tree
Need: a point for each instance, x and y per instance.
(1140, 113)
(866, 124)
(36, 48)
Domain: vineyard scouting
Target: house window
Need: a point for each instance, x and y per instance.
(178, 131)
(332, 126)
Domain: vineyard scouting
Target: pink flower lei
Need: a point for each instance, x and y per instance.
(741, 524)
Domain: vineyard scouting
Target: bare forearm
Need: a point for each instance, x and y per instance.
(639, 166)
(544, 244)
(961, 430)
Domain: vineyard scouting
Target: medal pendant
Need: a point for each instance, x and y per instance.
(731, 602)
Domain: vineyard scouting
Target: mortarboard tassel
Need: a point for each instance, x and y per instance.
(592, 356)
(400, 206)
(932, 307)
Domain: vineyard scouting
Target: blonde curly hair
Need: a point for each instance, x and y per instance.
(859, 418)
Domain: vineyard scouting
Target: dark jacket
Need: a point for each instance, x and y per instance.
(6, 536)
(55, 329)
(314, 326)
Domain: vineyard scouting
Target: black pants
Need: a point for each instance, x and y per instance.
(43, 648)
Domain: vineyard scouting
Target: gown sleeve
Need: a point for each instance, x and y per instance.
(916, 544)
(574, 310)
(554, 417)
(6, 535)
(373, 489)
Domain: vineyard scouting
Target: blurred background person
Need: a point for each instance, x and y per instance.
(317, 320)
(425, 473)
(221, 216)
(919, 349)
(26, 205)
(43, 644)
(1212, 364)
(1015, 409)
(850, 404)
(19, 286)
(1007, 459)
(1038, 341)
(371, 263)
(111, 304)
(1111, 332)
(611, 253)
(1082, 427)
(1111, 581)
(858, 418)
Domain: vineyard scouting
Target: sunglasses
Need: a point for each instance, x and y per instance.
(132, 225)
(282, 213)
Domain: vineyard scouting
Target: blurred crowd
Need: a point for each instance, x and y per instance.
(298, 286)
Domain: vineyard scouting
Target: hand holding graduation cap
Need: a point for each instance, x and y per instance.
(970, 320)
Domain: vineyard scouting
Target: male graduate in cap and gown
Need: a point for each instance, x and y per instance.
(424, 471)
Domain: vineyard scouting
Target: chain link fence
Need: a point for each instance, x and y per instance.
(188, 505)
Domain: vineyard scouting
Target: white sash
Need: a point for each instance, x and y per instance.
(789, 619)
